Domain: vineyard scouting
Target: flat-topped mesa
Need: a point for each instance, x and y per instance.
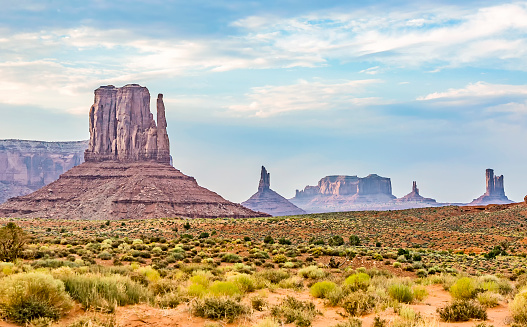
(265, 180)
(123, 129)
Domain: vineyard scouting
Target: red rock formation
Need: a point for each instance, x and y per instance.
(344, 193)
(495, 191)
(123, 129)
(414, 196)
(26, 166)
(127, 172)
(268, 201)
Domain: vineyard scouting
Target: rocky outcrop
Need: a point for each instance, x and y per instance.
(345, 193)
(123, 129)
(268, 201)
(495, 191)
(26, 166)
(127, 172)
(415, 197)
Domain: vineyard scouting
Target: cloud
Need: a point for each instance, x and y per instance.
(447, 35)
(271, 100)
(478, 90)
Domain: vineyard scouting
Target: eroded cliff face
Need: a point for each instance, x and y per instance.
(345, 193)
(123, 129)
(348, 185)
(26, 166)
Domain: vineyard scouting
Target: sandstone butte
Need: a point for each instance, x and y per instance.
(127, 172)
(268, 201)
(495, 191)
(414, 196)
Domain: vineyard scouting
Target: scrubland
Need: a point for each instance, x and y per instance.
(420, 267)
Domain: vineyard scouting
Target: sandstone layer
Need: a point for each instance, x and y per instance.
(114, 190)
(268, 201)
(127, 173)
(495, 190)
(26, 166)
(345, 193)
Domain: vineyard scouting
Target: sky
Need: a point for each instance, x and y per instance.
(431, 91)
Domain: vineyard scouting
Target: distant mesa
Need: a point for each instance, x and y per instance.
(127, 171)
(268, 201)
(345, 193)
(495, 191)
(26, 166)
(415, 197)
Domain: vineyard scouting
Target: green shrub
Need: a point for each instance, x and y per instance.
(518, 307)
(489, 299)
(464, 289)
(279, 258)
(225, 307)
(244, 282)
(312, 272)
(219, 288)
(419, 293)
(272, 275)
(292, 310)
(268, 240)
(358, 281)
(12, 242)
(401, 293)
(322, 289)
(28, 296)
(231, 258)
(104, 292)
(359, 303)
(462, 310)
(354, 240)
(336, 240)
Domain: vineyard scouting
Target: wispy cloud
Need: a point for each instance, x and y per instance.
(271, 100)
(478, 90)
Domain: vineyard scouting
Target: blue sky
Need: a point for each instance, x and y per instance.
(413, 90)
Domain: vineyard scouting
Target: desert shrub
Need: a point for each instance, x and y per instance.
(419, 293)
(28, 296)
(401, 293)
(150, 274)
(353, 322)
(105, 255)
(12, 242)
(284, 241)
(95, 321)
(354, 240)
(219, 288)
(358, 281)
(312, 272)
(489, 299)
(273, 276)
(293, 282)
(336, 240)
(292, 310)
(336, 295)
(279, 258)
(267, 323)
(462, 310)
(322, 289)
(464, 289)
(244, 282)
(104, 292)
(518, 307)
(359, 303)
(231, 258)
(224, 307)
(268, 240)
(258, 303)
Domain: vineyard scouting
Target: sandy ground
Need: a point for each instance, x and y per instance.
(144, 315)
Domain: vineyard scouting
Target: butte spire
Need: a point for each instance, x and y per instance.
(127, 172)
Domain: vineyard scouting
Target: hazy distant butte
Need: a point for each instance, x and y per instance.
(268, 201)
